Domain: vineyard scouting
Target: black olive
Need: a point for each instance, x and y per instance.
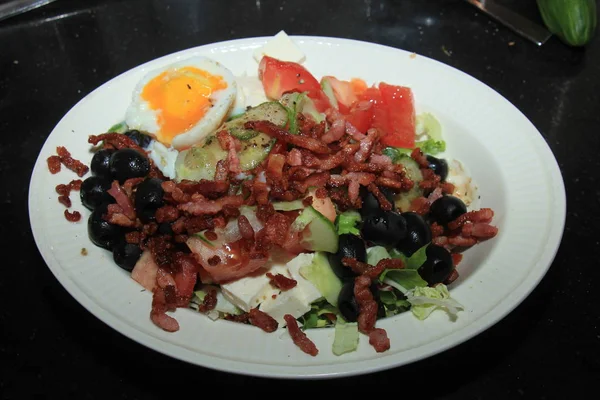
(439, 166)
(385, 228)
(148, 198)
(348, 305)
(101, 232)
(141, 139)
(418, 234)
(100, 163)
(347, 302)
(349, 246)
(438, 266)
(126, 254)
(128, 163)
(93, 192)
(370, 204)
(446, 209)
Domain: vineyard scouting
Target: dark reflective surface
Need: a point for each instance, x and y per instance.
(50, 58)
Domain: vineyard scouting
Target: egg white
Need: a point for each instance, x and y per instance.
(141, 116)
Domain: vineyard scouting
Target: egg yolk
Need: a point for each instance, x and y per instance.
(182, 97)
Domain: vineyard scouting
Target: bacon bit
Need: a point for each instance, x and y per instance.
(211, 235)
(335, 132)
(436, 230)
(419, 157)
(274, 131)
(300, 339)
(122, 200)
(482, 215)
(372, 271)
(262, 320)
(72, 216)
(264, 212)
(245, 228)
(453, 275)
(384, 203)
(64, 200)
(479, 230)
(281, 281)
(74, 165)
(367, 305)
(54, 164)
(209, 302)
(158, 313)
(456, 258)
(241, 318)
(115, 140)
(420, 205)
(379, 340)
(199, 205)
(447, 187)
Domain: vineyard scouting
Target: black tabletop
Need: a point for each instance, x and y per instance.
(50, 58)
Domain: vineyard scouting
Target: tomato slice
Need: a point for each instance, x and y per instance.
(361, 115)
(343, 92)
(380, 111)
(279, 77)
(401, 122)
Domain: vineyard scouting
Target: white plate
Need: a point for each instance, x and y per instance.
(517, 175)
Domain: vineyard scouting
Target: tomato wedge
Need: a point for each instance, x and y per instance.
(401, 116)
(279, 77)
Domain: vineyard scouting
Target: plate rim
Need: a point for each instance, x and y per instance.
(526, 287)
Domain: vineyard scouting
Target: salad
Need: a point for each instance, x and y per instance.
(281, 200)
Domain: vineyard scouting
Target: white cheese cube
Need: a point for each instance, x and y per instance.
(291, 302)
(250, 291)
(309, 291)
(282, 48)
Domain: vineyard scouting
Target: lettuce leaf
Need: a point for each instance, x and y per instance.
(346, 337)
(425, 300)
(376, 254)
(347, 222)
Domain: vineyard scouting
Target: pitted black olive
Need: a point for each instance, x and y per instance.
(128, 163)
(418, 234)
(370, 204)
(141, 139)
(385, 228)
(439, 166)
(126, 255)
(148, 198)
(94, 192)
(100, 163)
(349, 246)
(446, 209)
(101, 232)
(438, 265)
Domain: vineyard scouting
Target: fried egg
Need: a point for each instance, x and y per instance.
(182, 103)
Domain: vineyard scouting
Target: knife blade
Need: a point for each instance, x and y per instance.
(518, 23)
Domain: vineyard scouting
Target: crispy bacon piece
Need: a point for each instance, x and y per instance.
(379, 340)
(274, 131)
(245, 228)
(372, 271)
(158, 314)
(74, 165)
(54, 164)
(482, 215)
(300, 339)
(262, 320)
(281, 281)
(384, 203)
(115, 140)
(199, 205)
(209, 302)
(122, 200)
(367, 305)
(72, 216)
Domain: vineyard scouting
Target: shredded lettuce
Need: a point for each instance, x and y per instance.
(347, 221)
(376, 254)
(346, 337)
(316, 317)
(394, 302)
(431, 146)
(427, 124)
(424, 300)
(414, 261)
(402, 279)
(121, 127)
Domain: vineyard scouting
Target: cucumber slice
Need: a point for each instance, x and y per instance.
(319, 234)
(288, 205)
(403, 200)
(255, 150)
(320, 274)
(271, 111)
(198, 163)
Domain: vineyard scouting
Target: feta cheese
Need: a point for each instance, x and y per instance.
(310, 292)
(291, 302)
(464, 187)
(250, 291)
(282, 48)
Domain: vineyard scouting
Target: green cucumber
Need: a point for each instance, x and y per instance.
(573, 21)
(299, 103)
(200, 162)
(320, 274)
(413, 171)
(318, 233)
(288, 205)
(271, 111)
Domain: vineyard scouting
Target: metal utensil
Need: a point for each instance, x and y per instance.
(521, 25)
(15, 7)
